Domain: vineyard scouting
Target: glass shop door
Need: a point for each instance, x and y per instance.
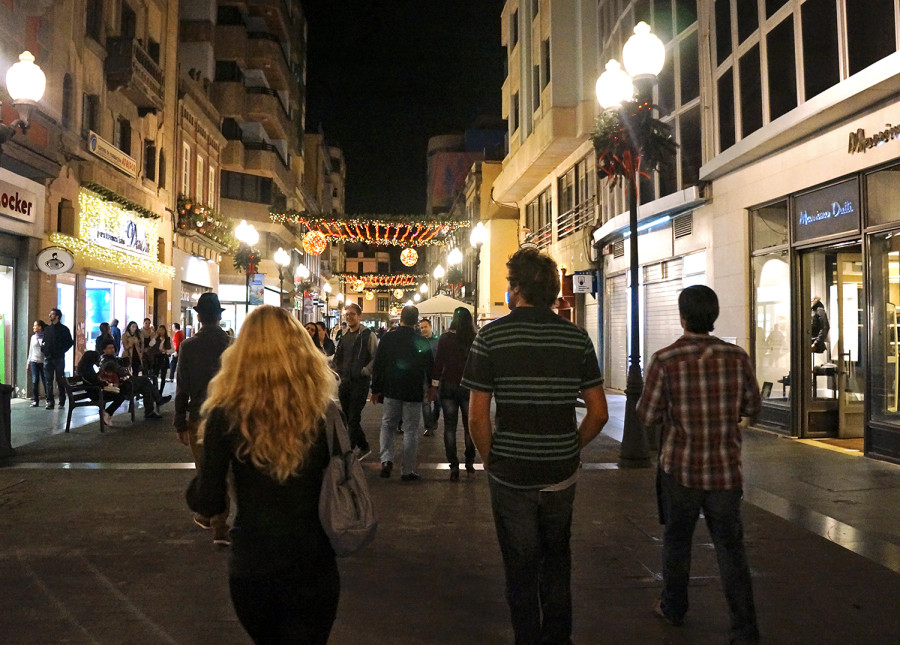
(834, 372)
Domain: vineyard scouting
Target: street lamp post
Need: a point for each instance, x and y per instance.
(247, 235)
(476, 239)
(25, 83)
(282, 259)
(644, 55)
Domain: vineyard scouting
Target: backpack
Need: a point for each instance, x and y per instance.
(345, 506)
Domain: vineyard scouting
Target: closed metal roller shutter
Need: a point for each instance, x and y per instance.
(662, 324)
(592, 322)
(616, 336)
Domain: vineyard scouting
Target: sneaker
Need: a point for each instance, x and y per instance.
(62, 403)
(163, 400)
(220, 536)
(386, 468)
(34, 404)
(50, 406)
(363, 453)
(107, 419)
(153, 414)
(410, 477)
(660, 613)
(454, 475)
(202, 521)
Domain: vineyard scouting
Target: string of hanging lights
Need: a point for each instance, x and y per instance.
(396, 230)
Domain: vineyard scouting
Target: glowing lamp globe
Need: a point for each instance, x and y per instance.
(614, 86)
(644, 54)
(398, 293)
(370, 295)
(25, 81)
(314, 243)
(409, 257)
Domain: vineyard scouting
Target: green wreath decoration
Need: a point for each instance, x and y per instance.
(631, 141)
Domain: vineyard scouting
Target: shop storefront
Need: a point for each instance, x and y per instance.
(826, 271)
(117, 274)
(22, 204)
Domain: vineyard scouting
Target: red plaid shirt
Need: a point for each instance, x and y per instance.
(697, 390)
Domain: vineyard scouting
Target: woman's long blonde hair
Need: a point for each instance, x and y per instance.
(275, 386)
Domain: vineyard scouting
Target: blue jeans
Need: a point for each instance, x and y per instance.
(430, 413)
(55, 368)
(37, 377)
(454, 400)
(411, 413)
(534, 530)
(722, 510)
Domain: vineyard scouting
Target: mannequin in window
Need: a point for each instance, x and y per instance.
(820, 326)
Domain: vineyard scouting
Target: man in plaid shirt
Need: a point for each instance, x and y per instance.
(697, 389)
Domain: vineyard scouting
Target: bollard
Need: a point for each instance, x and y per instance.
(6, 449)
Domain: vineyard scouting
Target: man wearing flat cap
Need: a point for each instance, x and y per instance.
(198, 362)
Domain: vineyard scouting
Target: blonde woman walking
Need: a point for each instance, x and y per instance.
(264, 422)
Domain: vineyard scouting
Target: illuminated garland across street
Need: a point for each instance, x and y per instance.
(205, 220)
(396, 230)
(116, 259)
(380, 280)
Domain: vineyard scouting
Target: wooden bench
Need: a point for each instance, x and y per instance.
(79, 395)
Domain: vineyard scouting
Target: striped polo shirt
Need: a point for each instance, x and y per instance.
(535, 364)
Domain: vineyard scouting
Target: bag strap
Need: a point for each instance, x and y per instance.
(336, 431)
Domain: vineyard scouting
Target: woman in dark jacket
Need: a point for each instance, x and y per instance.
(265, 424)
(133, 346)
(452, 351)
(325, 341)
(103, 336)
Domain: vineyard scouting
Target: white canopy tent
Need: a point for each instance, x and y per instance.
(440, 305)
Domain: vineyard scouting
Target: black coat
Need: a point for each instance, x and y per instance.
(403, 364)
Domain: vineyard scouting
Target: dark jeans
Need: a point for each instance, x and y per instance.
(146, 388)
(534, 529)
(37, 377)
(722, 510)
(287, 609)
(172, 366)
(55, 368)
(454, 400)
(160, 368)
(431, 412)
(353, 394)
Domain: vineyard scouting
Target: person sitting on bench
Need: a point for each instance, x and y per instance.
(95, 383)
(110, 367)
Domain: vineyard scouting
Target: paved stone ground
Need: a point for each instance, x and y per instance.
(103, 551)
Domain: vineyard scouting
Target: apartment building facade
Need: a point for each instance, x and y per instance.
(781, 191)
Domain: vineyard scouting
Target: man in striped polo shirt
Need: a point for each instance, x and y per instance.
(534, 364)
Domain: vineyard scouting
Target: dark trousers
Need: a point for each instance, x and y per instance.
(172, 366)
(353, 394)
(722, 510)
(37, 377)
(160, 368)
(54, 369)
(454, 401)
(287, 609)
(534, 530)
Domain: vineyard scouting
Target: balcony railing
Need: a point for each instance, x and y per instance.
(541, 237)
(576, 219)
(128, 66)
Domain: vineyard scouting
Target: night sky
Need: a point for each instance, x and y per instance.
(384, 76)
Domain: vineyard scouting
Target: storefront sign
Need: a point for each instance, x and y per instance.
(828, 211)
(112, 155)
(54, 260)
(16, 202)
(583, 282)
(859, 142)
(109, 225)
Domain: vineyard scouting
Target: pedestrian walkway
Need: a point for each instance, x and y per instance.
(98, 547)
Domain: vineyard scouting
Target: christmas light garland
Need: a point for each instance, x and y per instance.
(207, 221)
(118, 260)
(99, 216)
(395, 230)
(111, 196)
(381, 280)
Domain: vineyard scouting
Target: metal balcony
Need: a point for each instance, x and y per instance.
(130, 68)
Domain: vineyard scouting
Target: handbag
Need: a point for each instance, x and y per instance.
(345, 506)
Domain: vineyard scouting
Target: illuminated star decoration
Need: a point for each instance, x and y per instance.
(409, 257)
(314, 242)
